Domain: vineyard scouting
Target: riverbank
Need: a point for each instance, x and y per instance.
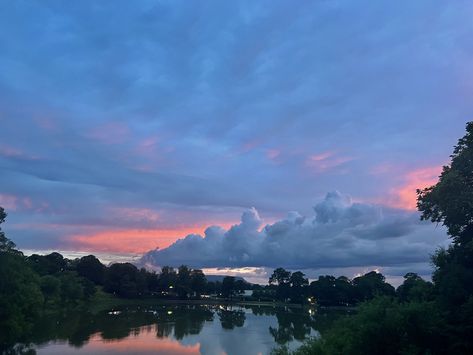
(104, 301)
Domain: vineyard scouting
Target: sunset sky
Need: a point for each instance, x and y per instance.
(300, 130)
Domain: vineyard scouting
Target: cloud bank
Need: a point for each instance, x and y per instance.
(340, 234)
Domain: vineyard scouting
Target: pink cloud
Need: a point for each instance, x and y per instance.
(273, 154)
(326, 161)
(16, 203)
(134, 240)
(110, 133)
(405, 196)
(47, 124)
(9, 202)
(147, 146)
(137, 214)
(12, 152)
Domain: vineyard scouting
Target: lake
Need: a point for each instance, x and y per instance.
(177, 329)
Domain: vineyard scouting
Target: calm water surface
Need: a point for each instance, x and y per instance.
(180, 329)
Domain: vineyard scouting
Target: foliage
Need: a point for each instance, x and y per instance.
(280, 276)
(331, 291)
(125, 280)
(6, 245)
(198, 281)
(382, 326)
(450, 201)
(415, 289)
(370, 285)
(228, 286)
(20, 297)
(47, 264)
(50, 287)
(91, 268)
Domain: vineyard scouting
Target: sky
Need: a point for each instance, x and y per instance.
(235, 136)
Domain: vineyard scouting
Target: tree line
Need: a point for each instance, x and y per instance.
(331, 291)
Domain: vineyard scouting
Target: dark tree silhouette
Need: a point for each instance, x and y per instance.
(450, 200)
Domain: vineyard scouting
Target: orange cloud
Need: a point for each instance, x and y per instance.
(135, 240)
(405, 197)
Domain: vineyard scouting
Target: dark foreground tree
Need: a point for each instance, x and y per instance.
(450, 200)
(228, 286)
(20, 294)
(91, 268)
(6, 245)
(281, 278)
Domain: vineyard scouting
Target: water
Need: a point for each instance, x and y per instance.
(175, 330)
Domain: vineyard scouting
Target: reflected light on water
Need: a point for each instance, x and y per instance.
(145, 343)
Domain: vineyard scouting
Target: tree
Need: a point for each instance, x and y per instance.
(6, 245)
(47, 264)
(183, 287)
(91, 268)
(298, 283)
(71, 289)
(20, 297)
(50, 287)
(280, 276)
(450, 200)
(198, 282)
(414, 288)
(324, 290)
(298, 279)
(167, 278)
(240, 286)
(228, 286)
(372, 284)
(125, 280)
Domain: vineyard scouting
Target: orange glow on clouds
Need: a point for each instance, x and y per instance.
(405, 197)
(135, 240)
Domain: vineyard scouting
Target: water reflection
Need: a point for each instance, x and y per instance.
(291, 325)
(230, 318)
(180, 329)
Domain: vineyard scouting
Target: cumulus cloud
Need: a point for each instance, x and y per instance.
(340, 234)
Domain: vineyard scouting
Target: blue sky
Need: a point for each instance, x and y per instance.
(128, 125)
